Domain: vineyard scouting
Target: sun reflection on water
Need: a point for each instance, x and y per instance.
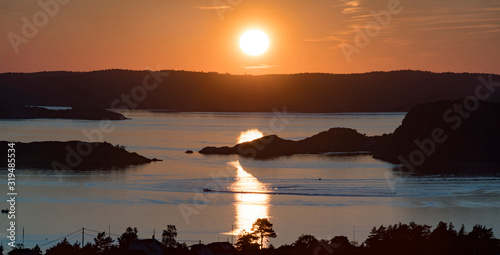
(249, 206)
(249, 135)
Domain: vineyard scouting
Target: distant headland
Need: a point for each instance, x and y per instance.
(8, 111)
(394, 91)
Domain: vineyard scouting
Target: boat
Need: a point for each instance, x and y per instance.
(207, 190)
(5, 210)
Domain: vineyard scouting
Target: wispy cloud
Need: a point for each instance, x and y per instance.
(428, 54)
(492, 32)
(399, 41)
(329, 38)
(348, 6)
(467, 16)
(461, 27)
(351, 7)
(261, 66)
(217, 7)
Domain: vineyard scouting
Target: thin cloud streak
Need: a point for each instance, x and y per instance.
(329, 38)
(400, 42)
(221, 7)
(348, 6)
(460, 27)
(262, 66)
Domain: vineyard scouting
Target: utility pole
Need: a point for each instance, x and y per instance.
(232, 234)
(83, 236)
(354, 233)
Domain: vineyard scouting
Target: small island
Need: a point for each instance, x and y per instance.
(9, 111)
(71, 155)
(340, 140)
(444, 136)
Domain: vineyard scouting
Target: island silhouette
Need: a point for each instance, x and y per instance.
(73, 155)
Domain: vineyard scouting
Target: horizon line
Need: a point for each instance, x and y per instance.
(233, 74)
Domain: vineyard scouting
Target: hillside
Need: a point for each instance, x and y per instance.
(198, 91)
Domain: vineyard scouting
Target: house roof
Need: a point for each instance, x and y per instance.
(148, 241)
(220, 247)
(152, 244)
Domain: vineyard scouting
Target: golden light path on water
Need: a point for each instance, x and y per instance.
(249, 207)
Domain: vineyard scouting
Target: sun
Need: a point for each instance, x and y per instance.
(254, 42)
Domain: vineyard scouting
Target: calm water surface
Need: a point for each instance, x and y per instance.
(355, 192)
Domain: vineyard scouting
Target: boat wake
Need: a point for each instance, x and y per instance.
(388, 194)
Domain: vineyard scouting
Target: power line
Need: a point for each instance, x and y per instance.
(91, 230)
(84, 231)
(73, 236)
(92, 235)
(78, 231)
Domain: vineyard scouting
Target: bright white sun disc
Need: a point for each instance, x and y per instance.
(254, 42)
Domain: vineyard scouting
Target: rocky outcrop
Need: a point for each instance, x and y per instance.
(446, 136)
(80, 112)
(333, 140)
(72, 155)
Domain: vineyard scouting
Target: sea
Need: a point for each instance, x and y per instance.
(323, 195)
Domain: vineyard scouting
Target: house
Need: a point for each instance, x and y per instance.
(217, 248)
(147, 247)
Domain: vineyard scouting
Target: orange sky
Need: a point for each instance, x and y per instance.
(203, 35)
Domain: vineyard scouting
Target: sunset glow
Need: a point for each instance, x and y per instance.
(249, 135)
(325, 36)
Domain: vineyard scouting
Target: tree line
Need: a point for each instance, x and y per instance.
(409, 239)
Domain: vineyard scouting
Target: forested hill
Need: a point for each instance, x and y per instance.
(198, 91)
